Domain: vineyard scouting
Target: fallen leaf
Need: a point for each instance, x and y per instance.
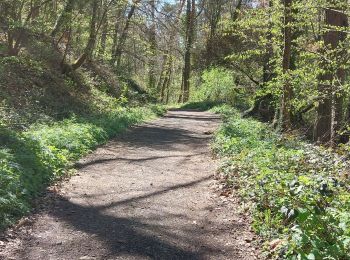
(275, 243)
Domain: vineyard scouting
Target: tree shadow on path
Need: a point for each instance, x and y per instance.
(131, 237)
(119, 228)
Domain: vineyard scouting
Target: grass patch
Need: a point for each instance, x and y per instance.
(298, 193)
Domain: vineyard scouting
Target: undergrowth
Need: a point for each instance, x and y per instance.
(298, 193)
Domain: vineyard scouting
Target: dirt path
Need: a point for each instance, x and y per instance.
(147, 195)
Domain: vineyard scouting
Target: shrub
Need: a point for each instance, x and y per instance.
(299, 193)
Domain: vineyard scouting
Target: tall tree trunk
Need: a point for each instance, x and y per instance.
(63, 64)
(116, 57)
(168, 91)
(35, 9)
(168, 55)
(213, 10)
(163, 71)
(267, 67)
(285, 114)
(17, 34)
(104, 33)
(153, 47)
(330, 108)
(117, 27)
(167, 77)
(235, 11)
(63, 18)
(262, 106)
(190, 22)
(92, 38)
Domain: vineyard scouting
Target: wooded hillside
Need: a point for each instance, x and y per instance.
(285, 59)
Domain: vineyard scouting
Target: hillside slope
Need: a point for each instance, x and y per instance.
(49, 119)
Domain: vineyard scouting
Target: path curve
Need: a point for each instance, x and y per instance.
(146, 195)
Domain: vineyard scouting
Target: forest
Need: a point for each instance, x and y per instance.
(75, 74)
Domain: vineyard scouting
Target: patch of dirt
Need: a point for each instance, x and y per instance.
(149, 194)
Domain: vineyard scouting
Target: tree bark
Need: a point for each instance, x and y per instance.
(167, 78)
(285, 114)
(63, 18)
(117, 55)
(104, 33)
(92, 38)
(117, 27)
(14, 12)
(213, 13)
(35, 9)
(190, 22)
(330, 108)
(263, 107)
(153, 48)
(168, 57)
(236, 10)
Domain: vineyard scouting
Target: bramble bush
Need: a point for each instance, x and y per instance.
(299, 193)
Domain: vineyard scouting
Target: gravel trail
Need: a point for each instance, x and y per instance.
(148, 194)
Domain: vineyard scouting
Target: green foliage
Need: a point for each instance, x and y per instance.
(259, 33)
(299, 193)
(217, 85)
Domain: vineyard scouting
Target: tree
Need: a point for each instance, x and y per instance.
(288, 59)
(104, 32)
(330, 108)
(213, 13)
(285, 113)
(153, 47)
(87, 53)
(63, 18)
(117, 53)
(15, 19)
(168, 57)
(190, 24)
